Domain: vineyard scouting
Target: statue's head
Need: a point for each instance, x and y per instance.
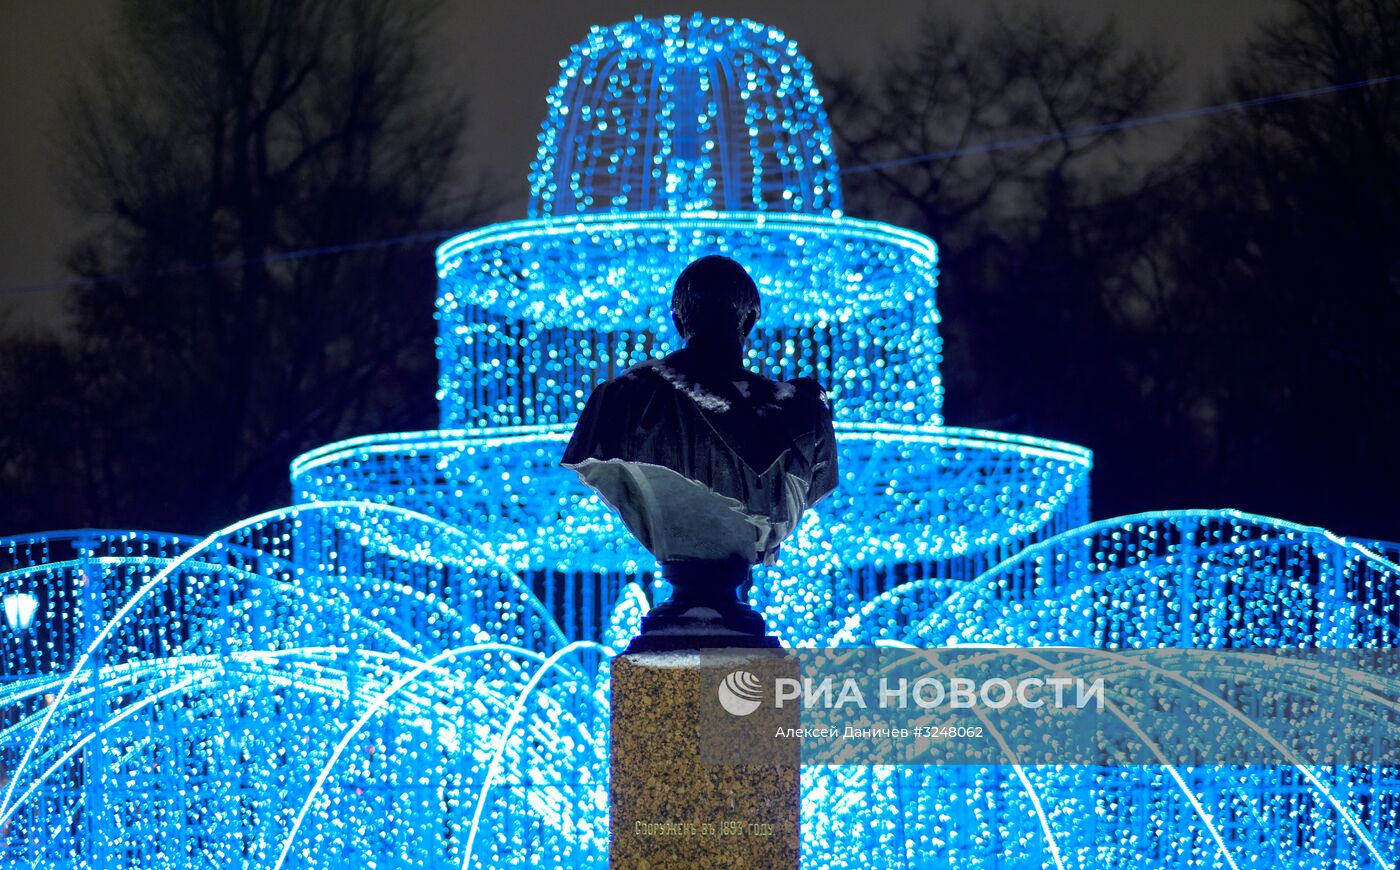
(715, 299)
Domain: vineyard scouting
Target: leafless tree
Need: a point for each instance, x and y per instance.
(1003, 137)
(1287, 272)
(264, 180)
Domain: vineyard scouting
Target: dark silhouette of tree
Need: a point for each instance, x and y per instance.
(239, 162)
(1217, 314)
(1287, 275)
(1047, 245)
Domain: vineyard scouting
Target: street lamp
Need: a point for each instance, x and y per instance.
(19, 611)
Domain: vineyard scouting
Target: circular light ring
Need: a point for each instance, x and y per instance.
(533, 313)
(908, 494)
(809, 267)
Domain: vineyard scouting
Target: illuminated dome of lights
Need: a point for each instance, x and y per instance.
(685, 114)
(409, 667)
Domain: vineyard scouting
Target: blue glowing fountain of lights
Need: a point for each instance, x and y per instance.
(409, 667)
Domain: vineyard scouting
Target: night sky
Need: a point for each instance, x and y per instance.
(503, 55)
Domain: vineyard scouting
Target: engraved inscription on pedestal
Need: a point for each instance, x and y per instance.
(672, 809)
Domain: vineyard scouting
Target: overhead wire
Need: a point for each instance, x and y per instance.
(928, 157)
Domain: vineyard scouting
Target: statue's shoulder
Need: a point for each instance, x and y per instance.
(804, 390)
(644, 369)
(644, 375)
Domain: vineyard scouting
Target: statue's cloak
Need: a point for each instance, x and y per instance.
(703, 466)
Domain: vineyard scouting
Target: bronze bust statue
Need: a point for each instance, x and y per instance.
(708, 464)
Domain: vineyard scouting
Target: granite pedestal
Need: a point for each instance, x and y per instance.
(674, 806)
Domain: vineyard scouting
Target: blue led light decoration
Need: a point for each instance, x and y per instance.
(409, 668)
(679, 114)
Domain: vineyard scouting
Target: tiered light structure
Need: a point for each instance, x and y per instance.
(409, 667)
(666, 140)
